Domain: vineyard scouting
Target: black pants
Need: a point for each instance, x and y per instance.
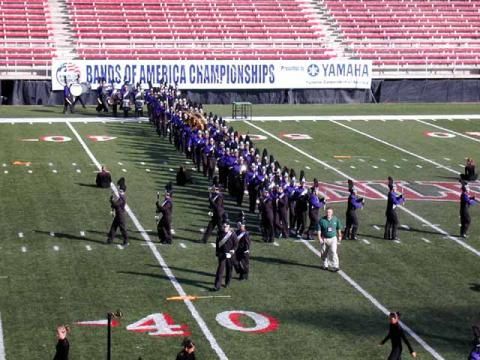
(79, 99)
(214, 222)
(464, 222)
(223, 264)
(68, 105)
(300, 220)
(396, 353)
(351, 225)
(391, 225)
(252, 198)
(102, 105)
(164, 231)
(267, 227)
(118, 222)
(242, 265)
(314, 216)
(291, 211)
(281, 223)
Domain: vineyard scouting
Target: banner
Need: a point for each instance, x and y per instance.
(218, 74)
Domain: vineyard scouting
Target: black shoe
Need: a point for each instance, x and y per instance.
(126, 244)
(215, 289)
(323, 267)
(354, 238)
(335, 270)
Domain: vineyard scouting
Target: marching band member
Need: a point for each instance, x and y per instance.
(281, 213)
(242, 252)
(164, 225)
(315, 203)
(225, 251)
(353, 203)
(470, 174)
(465, 202)
(393, 200)
(267, 216)
(208, 159)
(118, 201)
(217, 212)
(67, 99)
(301, 207)
(102, 97)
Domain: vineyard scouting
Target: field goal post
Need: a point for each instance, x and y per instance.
(242, 110)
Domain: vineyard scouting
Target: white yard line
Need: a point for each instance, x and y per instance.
(71, 120)
(366, 241)
(376, 227)
(379, 306)
(450, 131)
(396, 147)
(350, 118)
(341, 173)
(2, 346)
(426, 240)
(193, 310)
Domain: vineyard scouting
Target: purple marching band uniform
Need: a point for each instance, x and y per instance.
(351, 223)
(391, 225)
(465, 202)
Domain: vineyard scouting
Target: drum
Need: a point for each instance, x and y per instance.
(139, 104)
(76, 89)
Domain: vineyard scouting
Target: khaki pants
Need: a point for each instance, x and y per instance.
(328, 252)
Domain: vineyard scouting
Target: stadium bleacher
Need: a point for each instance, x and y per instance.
(227, 29)
(25, 34)
(410, 32)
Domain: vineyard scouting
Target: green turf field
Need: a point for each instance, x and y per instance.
(55, 268)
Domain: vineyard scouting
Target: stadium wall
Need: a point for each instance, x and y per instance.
(38, 92)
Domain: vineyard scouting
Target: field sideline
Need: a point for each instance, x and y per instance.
(53, 261)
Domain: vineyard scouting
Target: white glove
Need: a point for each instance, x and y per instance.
(210, 213)
(232, 251)
(112, 213)
(247, 251)
(157, 218)
(228, 255)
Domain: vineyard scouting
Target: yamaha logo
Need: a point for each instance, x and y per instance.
(313, 70)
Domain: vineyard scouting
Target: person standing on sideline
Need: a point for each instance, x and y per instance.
(225, 250)
(465, 202)
(393, 200)
(63, 346)
(329, 235)
(396, 335)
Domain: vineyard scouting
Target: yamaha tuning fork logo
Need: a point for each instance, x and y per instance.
(313, 70)
(68, 72)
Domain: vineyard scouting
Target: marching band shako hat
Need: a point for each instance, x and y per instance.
(169, 189)
(390, 183)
